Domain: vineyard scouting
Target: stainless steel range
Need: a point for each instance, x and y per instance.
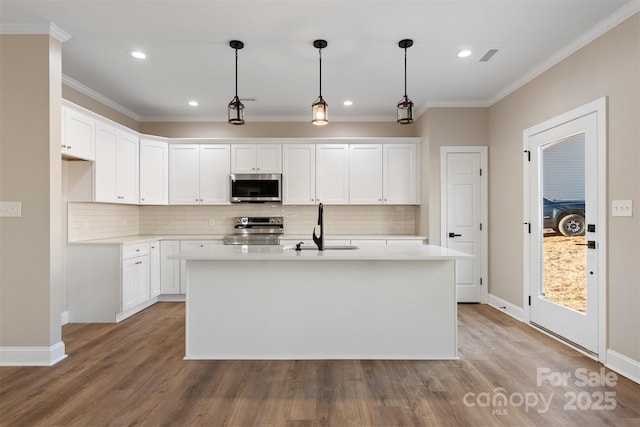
(256, 231)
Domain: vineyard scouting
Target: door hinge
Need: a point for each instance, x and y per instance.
(528, 155)
(480, 226)
(528, 224)
(480, 172)
(481, 281)
(529, 299)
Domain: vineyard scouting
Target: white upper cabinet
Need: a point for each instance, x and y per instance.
(401, 174)
(299, 174)
(256, 158)
(332, 174)
(116, 165)
(154, 172)
(214, 174)
(78, 134)
(199, 174)
(365, 174)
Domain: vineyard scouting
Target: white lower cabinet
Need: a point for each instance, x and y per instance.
(135, 281)
(107, 283)
(154, 269)
(170, 268)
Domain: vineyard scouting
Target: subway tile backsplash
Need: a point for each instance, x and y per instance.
(97, 220)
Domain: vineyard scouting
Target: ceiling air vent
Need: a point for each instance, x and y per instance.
(487, 56)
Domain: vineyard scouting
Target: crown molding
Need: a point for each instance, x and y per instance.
(49, 28)
(74, 84)
(598, 30)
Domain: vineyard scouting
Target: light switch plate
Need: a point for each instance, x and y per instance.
(622, 208)
(11, 209)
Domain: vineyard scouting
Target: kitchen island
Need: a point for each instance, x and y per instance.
(272, 302)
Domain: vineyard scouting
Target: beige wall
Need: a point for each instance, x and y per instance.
(30, 172)
(609, 66)
(91, 104)
(441, 127)
(278, 130)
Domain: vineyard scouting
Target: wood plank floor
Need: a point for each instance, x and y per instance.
(132, 373)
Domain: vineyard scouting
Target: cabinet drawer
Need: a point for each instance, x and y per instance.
(136, 249)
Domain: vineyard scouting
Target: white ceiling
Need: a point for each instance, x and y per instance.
(187, 43)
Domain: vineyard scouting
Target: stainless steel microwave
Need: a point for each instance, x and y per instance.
(255, 188)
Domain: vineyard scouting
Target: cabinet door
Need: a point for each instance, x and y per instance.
(127, 167)
(106, 182)
(154, 269)
(332, 173)
(129, 279)
(365, 174)
(170, 268)
(269, 158)
(299, 174)
(154, 172)
(214, 174)
(143, 289)
(243, 158)
(184, 174)
(400, 174)
(78, 138)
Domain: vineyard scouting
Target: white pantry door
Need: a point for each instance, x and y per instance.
(463, 209)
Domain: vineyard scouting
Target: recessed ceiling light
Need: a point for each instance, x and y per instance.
(347, 103)
(137, 54)
(464, 53)
(194, 103)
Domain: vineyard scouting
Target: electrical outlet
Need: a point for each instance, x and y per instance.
(622, 208)
(11, 209)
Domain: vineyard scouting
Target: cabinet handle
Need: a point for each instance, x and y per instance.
(69, 147)
(63, 146)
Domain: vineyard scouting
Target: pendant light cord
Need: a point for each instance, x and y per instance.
(405, 72)
(237, 73)
(320, 54)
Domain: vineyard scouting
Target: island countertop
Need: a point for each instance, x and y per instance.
(275, 252)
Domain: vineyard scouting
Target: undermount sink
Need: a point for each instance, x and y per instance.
(326, 248)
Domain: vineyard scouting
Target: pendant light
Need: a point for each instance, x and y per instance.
(320, 109)
(236, 108)
(405, 106)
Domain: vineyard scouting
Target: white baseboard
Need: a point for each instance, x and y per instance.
(506, 307)
(171, 298)
(64, 318)
(32, 356)
(623, 365)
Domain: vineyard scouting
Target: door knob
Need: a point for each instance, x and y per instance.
(455, 235)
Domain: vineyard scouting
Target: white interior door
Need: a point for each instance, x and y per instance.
(463, 226)
(563, 232)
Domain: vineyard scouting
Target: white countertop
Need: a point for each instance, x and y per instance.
(274, 253)
(144, 238)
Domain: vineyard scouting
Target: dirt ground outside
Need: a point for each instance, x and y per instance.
(564, 270)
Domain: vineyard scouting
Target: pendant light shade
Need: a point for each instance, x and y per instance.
(236, 108)
(320, 109)
(405, 106)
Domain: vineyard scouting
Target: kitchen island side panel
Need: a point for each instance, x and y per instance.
(333, 309)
